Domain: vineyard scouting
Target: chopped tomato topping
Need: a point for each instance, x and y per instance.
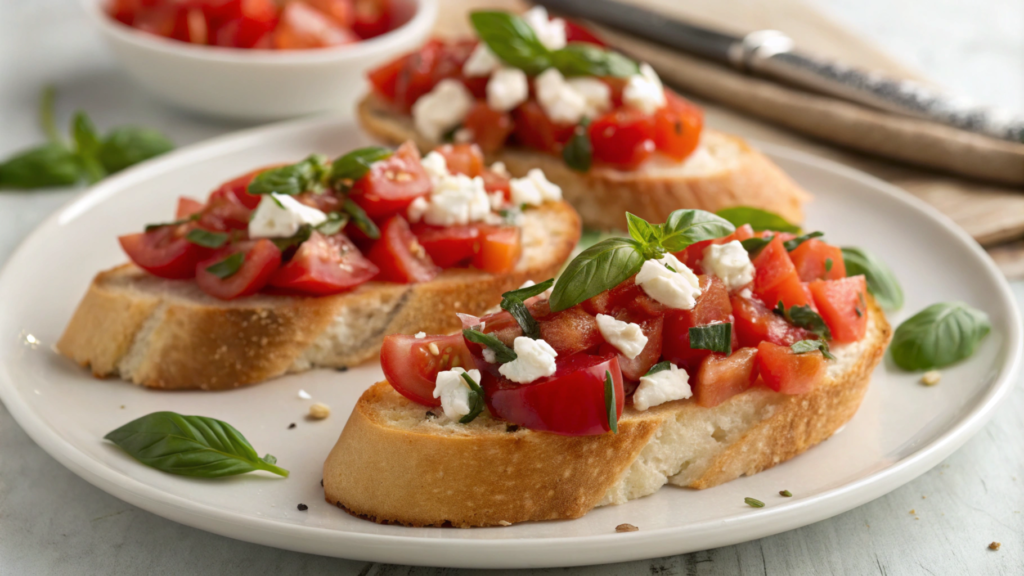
(721, 377)
(392, 184)
(622, 138)
(677, 127)
(463, 158)
(411, 365)
(753, 322)
(843, 306)
(490, 128)
(261, 259)
(448, 246)
(302, 26)
(534, 129)
(713, 307)
(399, 256)
(785, 371)
(776, 279)
(816, 260)
(694, 253)
(164, 251)
(187, 207)
(238, 188)
(371, 17)
(500, 249)
(633, 369)
(324, 265)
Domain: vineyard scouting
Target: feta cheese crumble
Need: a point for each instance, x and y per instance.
(644, 91)
(627, 337)
(730, 262)
(281, 216)
(417, 209)
(442, 109)
(551, 33)
(534, 359)
(421, 335)
(661, 387)
(456, 199)
(489, 356)
(435, 165)
(481, 62)
(557, 97)
(507, 88)
(678, 289)
(596, 94)
(453, 391)
(534, 189)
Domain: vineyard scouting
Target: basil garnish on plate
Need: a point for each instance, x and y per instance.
(713, 337)
(940, 335)
(758, 219)
(502, 353)
(882, 283)
(476, 399)
(514, 302)
(804, 346)
(191, 446)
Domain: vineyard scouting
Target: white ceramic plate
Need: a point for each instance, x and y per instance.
(901, 430)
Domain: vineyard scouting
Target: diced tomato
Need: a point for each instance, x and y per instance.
(816, 260)
(462, 158)
(224, 212)
(569, 331)
(384, 79)
(251, 28)
(302, 26)
(399, 256)
(404, 81)
(239, 189)
(842, 306)
(633, 369)
(500, 249)
(775, 278)
(324, 265)
(411, 366)
(575, 32)
(341, 11)
(571, 402)
(713, 307)
(371, 17)
(534, 129)
(392, 184)
(490, 128)
(721, 377)
(494, 182)
(677, 127)
(164, 251)
(448, 246)
(785, 371)
(629, 295)
(753, 323)
(187, 207)
(694, 253)
(262, 259)
(622, 138)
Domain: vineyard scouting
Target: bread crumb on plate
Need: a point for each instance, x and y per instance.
(626, 528)
(994, 546)
(931, 378)
(319, 411)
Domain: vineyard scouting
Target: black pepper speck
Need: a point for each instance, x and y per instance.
(292, 425)
(303, 507)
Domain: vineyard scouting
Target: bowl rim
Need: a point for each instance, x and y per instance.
(418, 26)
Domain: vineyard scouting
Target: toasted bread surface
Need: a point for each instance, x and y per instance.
(724, 171)
(395, 463)
(168, 334)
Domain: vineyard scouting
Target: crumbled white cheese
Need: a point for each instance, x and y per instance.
(507, 88)
(280, 216)
(746, 293)
(453, 391)
(661, 387)
(481, 62)
(305, 395)
(489, 356)
(497, 200)
(596, 94)
(730, 262)
(417, 209)
(457, 199)
(500, 169)
(534, 189)
(644, 91)
(534, 359)
(442, 109)
(551, 33)
(562, 103)
(421, 335)
(627, 337)
(435, 165)
(678, 289)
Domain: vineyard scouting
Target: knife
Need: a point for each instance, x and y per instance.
(772, 54)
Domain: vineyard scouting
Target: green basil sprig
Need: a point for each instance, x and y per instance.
(753, 246)
(940, 335)
(126, 146)
(806, 318)
(804, 346)
(578, 152)
(659, 367)
(191, 446)
(713, 337)
(758, 219)
(502, 353)
(87, 147)
(205, 238)
(610, 404)
(227, 267)
(882, 283)
(335, 222)
(293, 179)
(360, 219)
(795, 243)
(585, 59)
(356, 164)
(514, 302)
(151, 227)
(476, 399)
(606, 264)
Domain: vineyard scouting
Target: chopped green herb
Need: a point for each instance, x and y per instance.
(795, 243)
(828, 264)
(753, 502)
(806, 318)
(513, 302)
(354, 165)
(227, 267)
(334, 223)
(476, 399)
(361, 220)
(785, 493)
(753, 246)
(713, 337)
(578, 152)
(659, 367)
(610, 404)
(502, 353)
(804, 346)
(151, 227)
(305, 176)
(205, 238)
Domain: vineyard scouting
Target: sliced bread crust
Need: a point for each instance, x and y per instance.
(393, 463)
(168, 334)
(725, 171)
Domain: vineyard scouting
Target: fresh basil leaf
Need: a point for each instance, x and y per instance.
(205, 238)
(659, 367)
(641, 230)
(335, 222)
(356, 164)
(449, 135)
(685, 227)
(804, 346)
(190, 446)
(753, 246)
(41, 167)
(87, 146)
(300, 236)
(758, 219)
(128, 145)
(601, 267)
(512, 40)
(795, 243)
(828, 264)
(151, 227)
(713, 337)
(940, 335)
(578, 152)
(610, 404)
(511, 216)
(292, 179)
(522, 294)
(522, 315)
(360, 219)
(881, 281)
(502, 353)
(806, 318)
(476, 399)
(227, 267)
(585, 59)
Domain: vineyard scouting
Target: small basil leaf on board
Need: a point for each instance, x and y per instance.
(753, 246)
(611, 406)
(476, 399)
(205, 238)
(87, 146)
(578, 152)
(806, 318)
(940, 335)
(713, 337)
(585, 59)
(685, 227)
(292, 179)
(881, 281)
(795, 243)
(804, 346)
(641, 230)
(41, 167)
(334, 223)
(659, 367)
(601, 267)
(360, 219)
(758, 219)
(512, 40)
(191, 446)
(502, 353)
(128, 145)
(227, 267)
(356, 164)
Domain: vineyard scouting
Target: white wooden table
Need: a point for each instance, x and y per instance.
(52, 522)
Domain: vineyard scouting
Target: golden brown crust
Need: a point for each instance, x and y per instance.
(167, 334)
(603, 196)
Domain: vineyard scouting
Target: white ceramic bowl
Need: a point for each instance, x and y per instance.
(260, 84)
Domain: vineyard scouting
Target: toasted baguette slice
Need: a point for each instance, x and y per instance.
(168, 334)
(724, 171)
(392, 463)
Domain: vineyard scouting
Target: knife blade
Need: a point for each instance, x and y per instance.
(772, 54)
